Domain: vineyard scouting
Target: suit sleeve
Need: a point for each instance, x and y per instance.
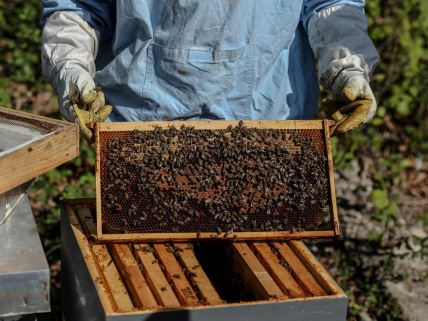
(337, 32)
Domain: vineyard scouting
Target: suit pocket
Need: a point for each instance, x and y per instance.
(201, 82)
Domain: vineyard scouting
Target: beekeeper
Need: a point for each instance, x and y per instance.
(208, 59)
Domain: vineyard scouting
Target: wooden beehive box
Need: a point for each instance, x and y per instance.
(227, 281)
(30, 145)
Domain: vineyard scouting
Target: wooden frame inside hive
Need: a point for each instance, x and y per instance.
(111, 129)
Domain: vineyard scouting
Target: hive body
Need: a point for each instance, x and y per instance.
(197, 281)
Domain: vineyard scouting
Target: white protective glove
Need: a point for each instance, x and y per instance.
(69, 47)
(353, 102)
(346, 57)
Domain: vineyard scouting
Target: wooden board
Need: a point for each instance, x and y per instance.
(129, 278)
(109, 270)
(184, 237)
(211, 124)
(175, 274)
(197, 274)
(279, 273)
(155, 276)
(102, 285)
(137, 285)
(334, 215)
(323, 125)
(299, 270)
(256, 276)
(35, 157)
(314, 267)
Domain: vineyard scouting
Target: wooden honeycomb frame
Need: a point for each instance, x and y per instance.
(322, 125)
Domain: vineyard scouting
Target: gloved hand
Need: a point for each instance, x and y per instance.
(80, 101)
(69, 47)
(346, 59)
(353, 102)
(90, 107)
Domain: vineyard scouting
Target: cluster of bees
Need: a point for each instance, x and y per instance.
(219, 181)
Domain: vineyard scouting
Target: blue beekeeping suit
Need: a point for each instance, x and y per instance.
(190, 59)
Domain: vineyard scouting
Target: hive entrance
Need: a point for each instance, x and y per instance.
(217, 182)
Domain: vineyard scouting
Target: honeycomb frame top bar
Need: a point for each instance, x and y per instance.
(213, 124)
(107, 234)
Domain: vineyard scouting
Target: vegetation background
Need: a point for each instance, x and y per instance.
(382, 171)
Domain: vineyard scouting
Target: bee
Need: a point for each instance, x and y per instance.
(225, 236)
(148, 249)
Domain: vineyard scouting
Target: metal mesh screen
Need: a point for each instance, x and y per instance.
(15, 131)
(236, 179)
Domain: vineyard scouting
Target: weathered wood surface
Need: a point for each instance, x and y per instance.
(39, 155)
(255, 275)
(210, 124)
(155, 277)
(197, 274)
(142, 277)
(279, 273)
(139, 290)
(299, 270)
(175, 274)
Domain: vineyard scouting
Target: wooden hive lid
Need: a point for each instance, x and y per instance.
(31, 145)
